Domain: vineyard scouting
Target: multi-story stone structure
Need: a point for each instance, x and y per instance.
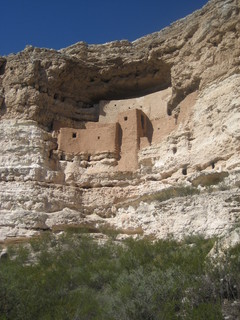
(121, 139)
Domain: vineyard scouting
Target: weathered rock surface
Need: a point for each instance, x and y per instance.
(186, 80)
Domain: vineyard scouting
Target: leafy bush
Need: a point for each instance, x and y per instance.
(73, 277)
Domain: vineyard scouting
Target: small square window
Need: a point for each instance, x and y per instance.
(98, 137)
(125, 118)
(74, 135)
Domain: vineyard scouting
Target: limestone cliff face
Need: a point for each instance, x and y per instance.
(178, 173)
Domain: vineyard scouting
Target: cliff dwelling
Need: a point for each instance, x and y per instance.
(124, 128)
(120, 140)
(92, 135)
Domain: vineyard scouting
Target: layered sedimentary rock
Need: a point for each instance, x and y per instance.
(142, 137)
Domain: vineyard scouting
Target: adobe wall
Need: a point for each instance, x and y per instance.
(96, 138)
(121, 138)
(128, 131)
(164, 124)
(69, 123)
(153, 105)
(133, 124)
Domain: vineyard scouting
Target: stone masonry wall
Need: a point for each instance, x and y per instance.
(121, 138)
(98, 139)
(133, 125)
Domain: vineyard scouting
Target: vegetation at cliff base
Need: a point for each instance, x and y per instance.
(74, 277)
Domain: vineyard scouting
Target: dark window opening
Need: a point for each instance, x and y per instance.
(184, 171)
(142, 121)
(169, 112)
(174, 149)
(51, 126)
(125, 118)
(74, 135)
(88, 159)
(213, 165)
(98, 138)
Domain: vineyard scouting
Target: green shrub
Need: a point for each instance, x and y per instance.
(73, 277)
